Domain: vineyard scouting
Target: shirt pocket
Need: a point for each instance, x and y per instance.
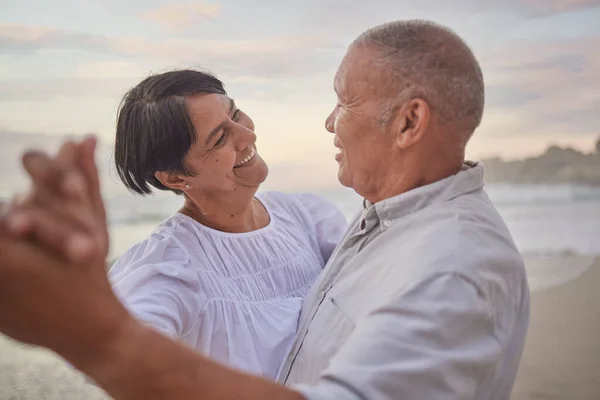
(329, 330)
(339, 322)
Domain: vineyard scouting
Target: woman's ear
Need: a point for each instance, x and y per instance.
(172, 180)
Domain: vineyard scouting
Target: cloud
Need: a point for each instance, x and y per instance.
(279, 56)
(550, 82)
(351, 18)
(73, 87)
(180, 16)
(27, 38)
(552, 7)
(540, 92)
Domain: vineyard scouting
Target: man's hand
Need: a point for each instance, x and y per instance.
(62, 216)
(63, 210)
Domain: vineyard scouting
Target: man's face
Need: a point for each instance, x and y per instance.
(361, 134)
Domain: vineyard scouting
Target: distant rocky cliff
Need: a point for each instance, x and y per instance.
(556, 165)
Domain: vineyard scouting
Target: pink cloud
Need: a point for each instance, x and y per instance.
(182, 15)
(272, 57)
(541, 90)
(31, 37)
(559, 6)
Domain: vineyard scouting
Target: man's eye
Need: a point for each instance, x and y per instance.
(236, 115)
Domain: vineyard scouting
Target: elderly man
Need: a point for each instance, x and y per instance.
(425, 298)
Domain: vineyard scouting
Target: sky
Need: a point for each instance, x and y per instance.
(65, 64)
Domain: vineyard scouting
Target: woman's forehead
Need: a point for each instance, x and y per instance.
(209, 102)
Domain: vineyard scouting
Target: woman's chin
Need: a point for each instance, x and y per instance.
(254, 173)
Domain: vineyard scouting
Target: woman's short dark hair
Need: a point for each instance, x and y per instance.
(154, 128)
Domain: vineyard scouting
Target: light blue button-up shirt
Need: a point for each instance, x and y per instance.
(425, 298)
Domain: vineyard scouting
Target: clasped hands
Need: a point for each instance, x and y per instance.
(54, 289)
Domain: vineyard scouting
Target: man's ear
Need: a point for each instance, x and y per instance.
(412, 121)
(172, 180)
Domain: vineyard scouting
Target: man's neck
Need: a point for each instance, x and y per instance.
(397, 184)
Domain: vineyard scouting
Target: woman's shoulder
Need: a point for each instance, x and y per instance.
(163, 252)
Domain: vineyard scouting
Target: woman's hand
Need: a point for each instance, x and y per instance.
(63, 210)
(54, 290)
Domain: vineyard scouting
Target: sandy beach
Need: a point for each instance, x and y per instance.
(561, 360)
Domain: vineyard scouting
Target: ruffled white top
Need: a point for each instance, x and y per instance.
(235, 297)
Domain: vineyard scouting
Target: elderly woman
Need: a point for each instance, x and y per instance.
(227, 273)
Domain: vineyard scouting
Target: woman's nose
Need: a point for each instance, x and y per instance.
(245, 137)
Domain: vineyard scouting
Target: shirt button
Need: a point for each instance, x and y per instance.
(387, 223)
(321, 295)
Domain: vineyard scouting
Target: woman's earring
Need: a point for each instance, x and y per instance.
(187, 185)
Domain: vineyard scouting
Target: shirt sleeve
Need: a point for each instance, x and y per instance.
(330, 222)
(433, 341)
(163, 293)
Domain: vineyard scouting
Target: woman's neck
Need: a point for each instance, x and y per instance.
(227, 217)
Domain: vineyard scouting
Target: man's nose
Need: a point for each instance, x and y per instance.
(330, 122)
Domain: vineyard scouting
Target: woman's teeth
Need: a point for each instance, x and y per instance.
(245, 160)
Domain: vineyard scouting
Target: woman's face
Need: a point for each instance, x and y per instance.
(223, 158)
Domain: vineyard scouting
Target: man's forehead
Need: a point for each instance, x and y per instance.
(353, 70)
(338, 80)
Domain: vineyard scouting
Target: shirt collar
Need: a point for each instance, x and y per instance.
(469, 179)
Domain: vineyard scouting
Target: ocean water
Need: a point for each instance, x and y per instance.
(544, 220)
(556, 227)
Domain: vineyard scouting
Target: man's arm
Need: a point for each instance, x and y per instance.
(49, 298)
(140, 363)
(71, 309)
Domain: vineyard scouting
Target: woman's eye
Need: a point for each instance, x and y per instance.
(221, 140)
(236, 115)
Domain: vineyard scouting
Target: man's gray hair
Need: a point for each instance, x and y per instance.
(426, 60)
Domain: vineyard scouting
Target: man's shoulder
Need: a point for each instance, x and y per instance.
(464, 236)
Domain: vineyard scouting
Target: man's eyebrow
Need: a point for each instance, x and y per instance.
(219, 127)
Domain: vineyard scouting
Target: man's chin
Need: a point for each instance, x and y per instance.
(344, 179)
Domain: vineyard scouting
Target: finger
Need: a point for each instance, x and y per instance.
(68, 216)
(70, 242)
(67, 155)
(20, 202)
(80, 248)
(90, 171)
(49, 176)
(75, 187)
(72, 185)
(44, 172)
(4, 206)
(49, 231)
(71, 212)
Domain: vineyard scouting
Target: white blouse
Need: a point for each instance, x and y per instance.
(235, 297)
